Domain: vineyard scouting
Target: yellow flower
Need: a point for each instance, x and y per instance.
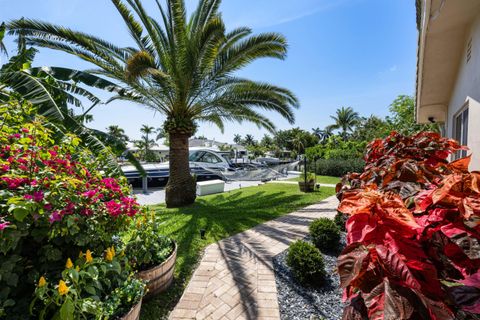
(110, 253)
(42, 282)
(77, 268)
(80, 255)
(63, 288)
(69, 264)
(88, 256)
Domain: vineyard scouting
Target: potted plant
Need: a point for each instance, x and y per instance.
(152, 254)
(309, 186)
(101, 287)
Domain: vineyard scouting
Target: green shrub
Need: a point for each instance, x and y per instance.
(307, 263)
(325, 234)
(337, 167)
(342, 154)
(340, 220)
(148, 248)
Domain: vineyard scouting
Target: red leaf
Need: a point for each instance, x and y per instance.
(352, 263)
(384, 302)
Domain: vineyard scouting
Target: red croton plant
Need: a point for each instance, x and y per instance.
(413, 232)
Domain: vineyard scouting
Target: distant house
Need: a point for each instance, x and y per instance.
(448, 70)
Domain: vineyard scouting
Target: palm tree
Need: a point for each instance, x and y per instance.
(249, 140)
(345, 120)
(117, 132)
(148, 143)
(181, 67)
(3, 49)
(237, 138)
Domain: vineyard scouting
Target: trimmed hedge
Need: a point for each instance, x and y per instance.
(337, 167)
(325, 234)
(307, 263)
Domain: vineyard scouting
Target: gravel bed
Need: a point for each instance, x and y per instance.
(303, 303)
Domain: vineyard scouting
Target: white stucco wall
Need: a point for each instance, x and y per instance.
(467, 91)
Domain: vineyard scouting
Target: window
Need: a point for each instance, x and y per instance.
(461, 131)
(469, 50)
(210, 158)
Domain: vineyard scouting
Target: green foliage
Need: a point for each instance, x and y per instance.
(325, 234)
(307, 263)
(340, 220)
(55, 199)
(147, 247)
(222, 216)
(402, 119)
(370, 128)
(91, 288)
(337, 148)
(345, 120)
(337, 167)
(295, 139)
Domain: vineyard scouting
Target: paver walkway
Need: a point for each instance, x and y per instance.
(235, 278)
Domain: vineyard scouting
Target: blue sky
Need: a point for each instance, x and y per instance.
(358, 53)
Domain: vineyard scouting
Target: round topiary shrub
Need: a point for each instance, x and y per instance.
(307, 263)
(340, 220)
(325, 234)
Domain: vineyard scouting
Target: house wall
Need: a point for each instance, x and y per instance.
(466, 92)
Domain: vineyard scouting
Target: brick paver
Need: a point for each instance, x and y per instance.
(235, 278)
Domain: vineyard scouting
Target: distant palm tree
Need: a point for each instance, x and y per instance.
(3, 49)
(161, 134)
(237, 139)
(249, 140)
(181, 67)
(345, 120)
(148, 143)
(117, 132)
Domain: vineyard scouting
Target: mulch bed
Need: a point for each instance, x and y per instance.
(298, 302)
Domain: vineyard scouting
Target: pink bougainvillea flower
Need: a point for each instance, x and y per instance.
(3, 225)
(111, 184)
(48, 206)
(38, 196)
(89, 194)
(113, 208)
(54, 217)
(28, 197)
(52, 153)
(25, 130)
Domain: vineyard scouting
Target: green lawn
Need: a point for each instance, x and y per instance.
(221, 215)
(320, 179)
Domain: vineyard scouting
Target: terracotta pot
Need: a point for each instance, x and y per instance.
(134, 313)
(309, 187)
(159, 278)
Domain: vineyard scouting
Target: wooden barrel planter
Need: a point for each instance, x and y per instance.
(159, 278)
(308, 187)
(134, 313)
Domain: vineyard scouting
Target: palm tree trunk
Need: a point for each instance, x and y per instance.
(181, 187)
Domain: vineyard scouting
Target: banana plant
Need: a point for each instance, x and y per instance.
(53, 91)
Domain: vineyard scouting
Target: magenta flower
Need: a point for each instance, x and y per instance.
(25, 130)
(89, 194)
(28, 197)
(48, 206)
(3, 225)
(54, 217)
(113, 208)
(38, 196)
